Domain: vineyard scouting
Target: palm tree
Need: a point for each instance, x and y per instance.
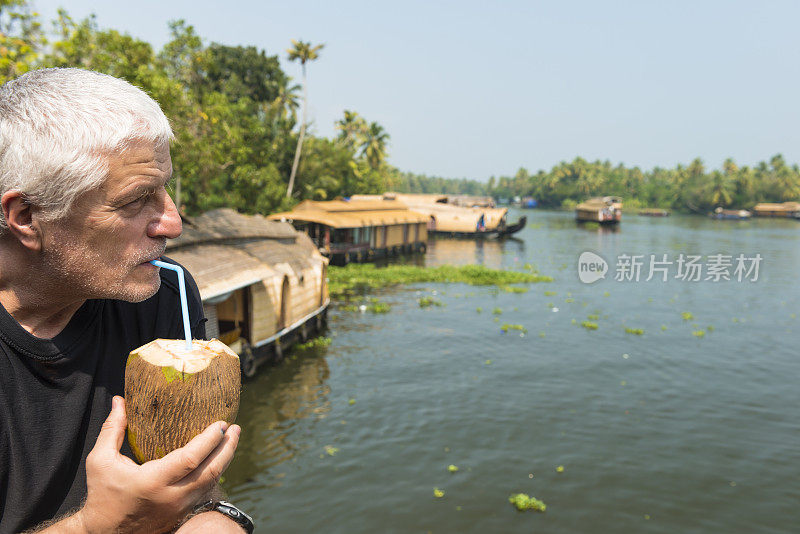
(374, 147)
(302, 52)
(283, 107)
(352, 128)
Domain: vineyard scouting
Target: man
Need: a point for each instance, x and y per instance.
(84, 162)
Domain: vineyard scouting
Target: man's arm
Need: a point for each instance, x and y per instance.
(154, 497)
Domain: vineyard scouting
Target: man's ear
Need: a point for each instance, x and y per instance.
(20, 219)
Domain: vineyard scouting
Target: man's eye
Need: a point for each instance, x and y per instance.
(137, 203)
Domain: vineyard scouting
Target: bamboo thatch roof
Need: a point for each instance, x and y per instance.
(222, 224)
(219, 269)
(449, 217)
(598, 203)
(225, 250)
(351, 214)
(785, 206)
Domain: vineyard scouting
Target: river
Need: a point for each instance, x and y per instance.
(692, 425)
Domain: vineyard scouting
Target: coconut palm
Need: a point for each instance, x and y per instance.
(374, 146)
(352, 128)
(302, 52)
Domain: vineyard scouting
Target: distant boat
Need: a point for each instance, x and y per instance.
(446, 218)
(734, 215)
(653, 212)
(790, 210)
(602, 210)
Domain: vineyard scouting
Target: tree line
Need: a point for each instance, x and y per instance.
(241, 144)
(691, 188)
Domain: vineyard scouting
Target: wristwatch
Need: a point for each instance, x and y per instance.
(230, 511)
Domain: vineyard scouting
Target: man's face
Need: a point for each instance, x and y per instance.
(103, 248)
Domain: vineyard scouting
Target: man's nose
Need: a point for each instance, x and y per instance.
(168, 222)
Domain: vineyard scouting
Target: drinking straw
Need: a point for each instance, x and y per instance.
(187, 332)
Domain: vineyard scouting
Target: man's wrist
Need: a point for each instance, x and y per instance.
(211, 521)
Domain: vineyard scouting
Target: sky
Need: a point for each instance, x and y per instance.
(473, 89)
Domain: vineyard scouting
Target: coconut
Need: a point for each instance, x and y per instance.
(172, 393)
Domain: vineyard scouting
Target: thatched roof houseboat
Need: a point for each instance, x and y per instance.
(357, 230)
(446, 218)
(786, 209)
(602, 210)
(262, 282)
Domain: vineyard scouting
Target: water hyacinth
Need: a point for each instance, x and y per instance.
(427, 302)
(523, 502)
(317, 342)
(343, 280)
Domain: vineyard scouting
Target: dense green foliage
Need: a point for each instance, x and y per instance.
(687, 188)
(233, 110)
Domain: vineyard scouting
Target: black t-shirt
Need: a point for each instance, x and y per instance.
(56, 393)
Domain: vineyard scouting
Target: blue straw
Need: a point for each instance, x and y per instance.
(187, 331)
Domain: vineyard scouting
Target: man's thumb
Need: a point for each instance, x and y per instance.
(113, 431)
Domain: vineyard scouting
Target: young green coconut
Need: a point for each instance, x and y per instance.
(173, 393)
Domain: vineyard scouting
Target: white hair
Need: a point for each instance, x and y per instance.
(58, 127)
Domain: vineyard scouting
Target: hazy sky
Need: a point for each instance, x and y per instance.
(478, 88)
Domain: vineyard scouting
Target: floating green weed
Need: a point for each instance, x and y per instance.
(506, 327)
(699, 333)
(427, 302)
(588, 325)
(569, 300)
(331, 450)
(452, 468)
(479, 309)
(593, 317)
(317, 342)
(635, 331)
(515, 289)
(687, 316)
(497, 311)
(523, 502)
(343, 280)
(550, 293)
(710, 328)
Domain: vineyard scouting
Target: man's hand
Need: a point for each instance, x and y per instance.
(156, 496)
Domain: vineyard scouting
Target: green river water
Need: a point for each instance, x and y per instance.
(666, 431)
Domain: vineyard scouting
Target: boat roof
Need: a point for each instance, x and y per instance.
(351, 214)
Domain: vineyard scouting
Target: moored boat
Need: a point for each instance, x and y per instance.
(789, 210)
(733, 215)
(446, 218)
(602, 210)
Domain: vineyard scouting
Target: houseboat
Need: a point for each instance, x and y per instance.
(733, 215)
(263, 284)
(359, 230)
(445, 218)
(602, 210)
(789, 210)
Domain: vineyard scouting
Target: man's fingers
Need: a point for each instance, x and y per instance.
(113, 431)
(181, 462)
(209, 472)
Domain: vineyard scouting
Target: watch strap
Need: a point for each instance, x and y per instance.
(230, 511)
